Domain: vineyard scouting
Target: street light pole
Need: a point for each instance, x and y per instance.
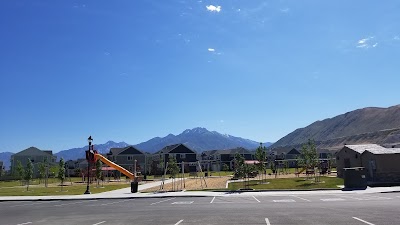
(90, 140)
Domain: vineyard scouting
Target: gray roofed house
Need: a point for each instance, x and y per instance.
(226, 156)
(126, 157)
(180, 152)
(35, 155)
(381, 164)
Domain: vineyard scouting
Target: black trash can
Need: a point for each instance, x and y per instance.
(134, 186)
(355, 178)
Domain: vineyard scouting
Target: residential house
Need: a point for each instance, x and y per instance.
(126, 157)
(35, 155)
(180, 152)
(227, 156)
(381, 164)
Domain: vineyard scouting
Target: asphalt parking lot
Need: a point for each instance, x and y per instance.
(357, 209)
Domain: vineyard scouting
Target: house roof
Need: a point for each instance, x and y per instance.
(33, 151)
(170, 148)
(239, 150)
(361, 148)
(128, 150)
(384, 151)
(293, 152)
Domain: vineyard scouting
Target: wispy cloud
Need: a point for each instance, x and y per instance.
(396, 38)
(211, 49)
(214, 8)
(366, 43)
(285, 10)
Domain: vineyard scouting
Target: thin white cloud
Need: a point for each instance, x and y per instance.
(285, 10)
(214, 8)
(211, 49)
(365, 43)
(396, 38)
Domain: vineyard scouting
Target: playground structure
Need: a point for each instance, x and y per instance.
(119, 168)
(282, 166)
(182, 178)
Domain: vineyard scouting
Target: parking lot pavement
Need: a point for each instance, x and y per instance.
(372, 209)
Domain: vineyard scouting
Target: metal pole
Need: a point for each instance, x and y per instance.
(88, 173)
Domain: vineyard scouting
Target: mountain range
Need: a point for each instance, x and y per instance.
(367, 125)
(198, 139)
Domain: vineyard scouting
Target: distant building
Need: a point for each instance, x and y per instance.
(218, 158)
(35, 155)
(126, 157)
(180, 152)
(381, 164)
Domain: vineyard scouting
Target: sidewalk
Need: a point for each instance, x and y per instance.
(125, 193)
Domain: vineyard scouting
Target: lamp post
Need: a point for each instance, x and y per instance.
(90, 140)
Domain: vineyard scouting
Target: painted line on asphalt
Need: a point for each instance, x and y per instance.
(366, 222)
(267, 221)
(72, 203)
(301, 198)
(180, 221)
(284, 200)
(256, 199)
(212, 200)
(111, 203)
(38, 203)
(24, 223)
(332, 199)
(162, 201)
(99, 223)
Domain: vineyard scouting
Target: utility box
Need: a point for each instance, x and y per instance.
(134, 186)
(355, 178)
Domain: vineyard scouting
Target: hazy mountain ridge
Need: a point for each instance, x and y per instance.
(75, 153)
(199, 139)
(358, 126)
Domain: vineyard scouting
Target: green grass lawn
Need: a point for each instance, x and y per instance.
(67, 190)
(289, 183)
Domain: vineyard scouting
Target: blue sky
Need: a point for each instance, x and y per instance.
(132, 70)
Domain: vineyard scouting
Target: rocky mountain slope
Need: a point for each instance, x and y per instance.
(367, 125)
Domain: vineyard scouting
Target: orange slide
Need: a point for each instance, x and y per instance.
(115, 166)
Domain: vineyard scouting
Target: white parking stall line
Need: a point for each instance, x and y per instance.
(28, 204)
(99, 223)
(182, 203)
(72, 203)
(180, 221)
(112, 203)
(284, 200)
(212, 200)
(332, 199)
(24, 223)
(301, 198)
(366, 222)
(162, 201)
(256, 199)
(267, 221)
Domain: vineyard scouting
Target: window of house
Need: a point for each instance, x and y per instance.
(218, 157)
(130, 168)
(183, 156)
(356, 156)
(130, 158)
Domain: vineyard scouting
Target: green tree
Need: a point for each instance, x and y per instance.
(20, 171)
(42, 171)
(261, 156)
(28, 173)
(225, 167)
(99, 165)
(61, 172)
(308, 156)
(240, 169)
(173, 169)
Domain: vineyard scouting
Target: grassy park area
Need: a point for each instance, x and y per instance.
(289, 183)
(75, 186)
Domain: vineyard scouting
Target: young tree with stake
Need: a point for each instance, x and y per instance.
(61, 172)
(28, 173)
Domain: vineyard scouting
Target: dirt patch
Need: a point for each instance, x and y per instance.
(194, 184)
